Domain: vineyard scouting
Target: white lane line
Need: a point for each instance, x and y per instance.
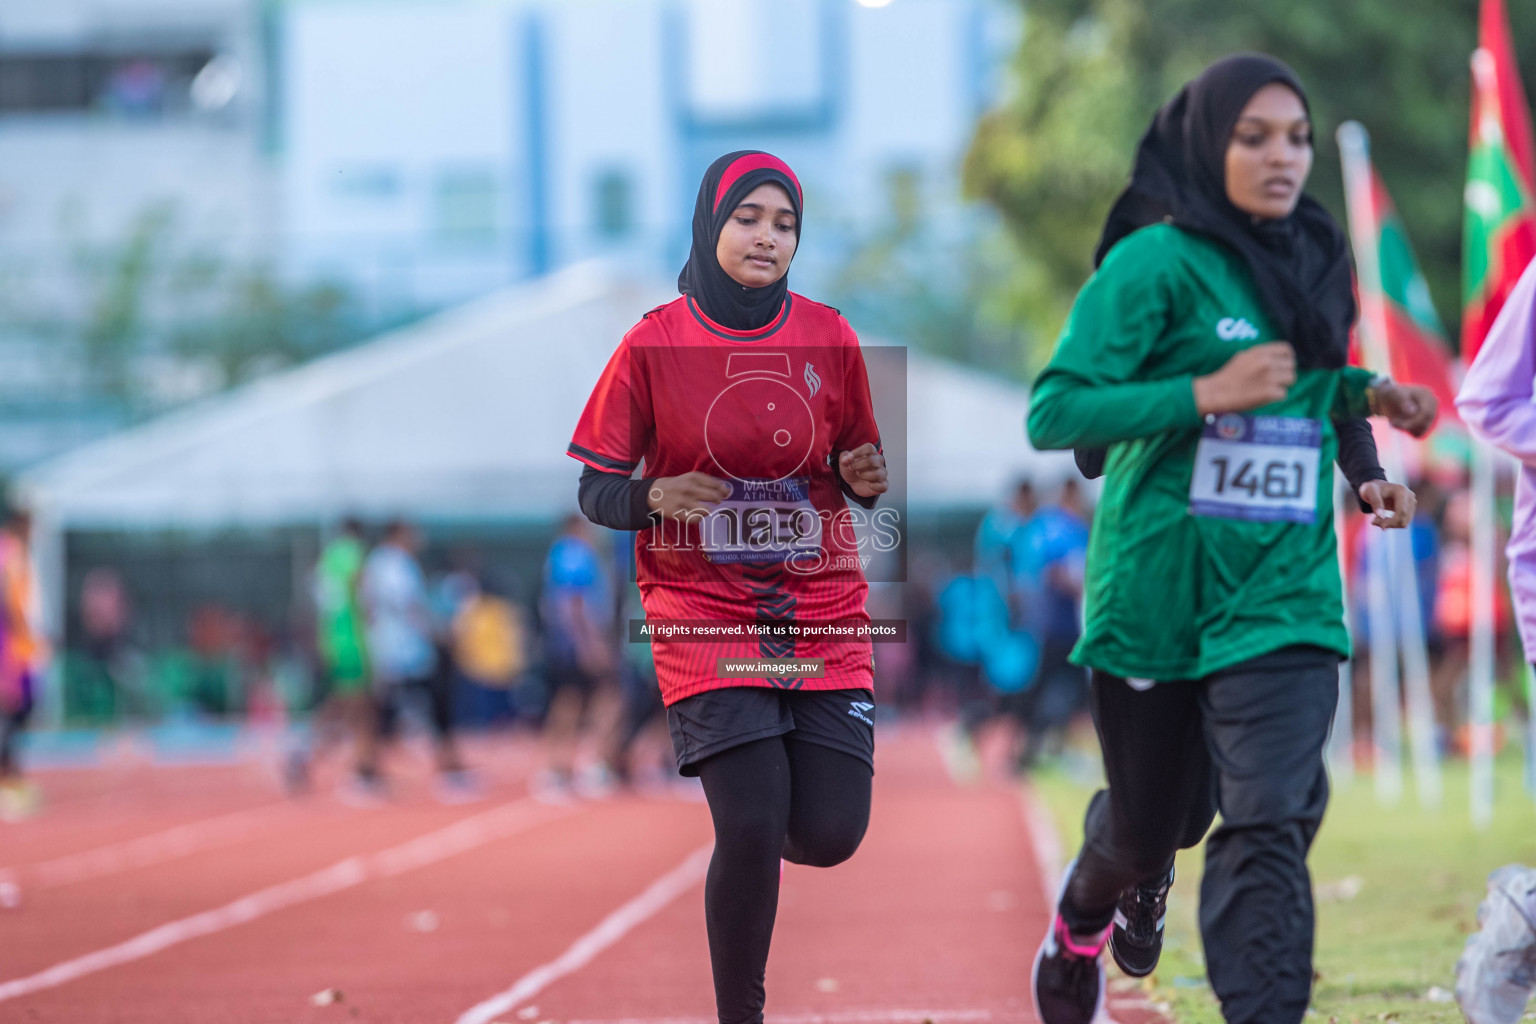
(146, 851)
(463, 835)
(608, 931)
(898, 1016)
(1045, 841)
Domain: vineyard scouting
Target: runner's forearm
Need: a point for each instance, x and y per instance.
(1357, 456)
(1068, 412)
(614, 500)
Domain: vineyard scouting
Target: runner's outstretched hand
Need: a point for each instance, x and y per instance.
(690, 492)
(1393, 504)
(1253, 377)
(863, 470)
(1409, 407)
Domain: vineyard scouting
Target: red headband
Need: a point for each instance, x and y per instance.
(755, 162)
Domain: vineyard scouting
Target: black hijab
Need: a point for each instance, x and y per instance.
(1299, 262)
(727, 182)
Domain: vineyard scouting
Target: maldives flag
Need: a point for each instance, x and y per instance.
(1500, 233)
(1400, 310)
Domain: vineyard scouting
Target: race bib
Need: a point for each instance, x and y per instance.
(763, 521)
(1257, 467)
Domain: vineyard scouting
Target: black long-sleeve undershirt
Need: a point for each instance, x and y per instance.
(1357, 456)
(614, 500)
(618, 502)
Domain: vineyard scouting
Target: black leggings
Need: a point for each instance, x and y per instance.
(771, 798)
(436, 690)
(1248, 740)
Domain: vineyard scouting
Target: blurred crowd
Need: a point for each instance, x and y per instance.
(991, 627)
(1440, 541)
(23, 655)
(395, 644)
(392, 643)
(393, 640)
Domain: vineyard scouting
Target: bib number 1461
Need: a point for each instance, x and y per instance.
(1279, 480)
(1262, 468)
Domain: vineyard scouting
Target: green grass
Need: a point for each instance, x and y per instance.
(1421, 877)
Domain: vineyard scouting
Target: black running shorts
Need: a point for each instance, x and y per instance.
(717, 720)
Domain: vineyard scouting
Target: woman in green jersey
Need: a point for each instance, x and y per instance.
(1208, 354)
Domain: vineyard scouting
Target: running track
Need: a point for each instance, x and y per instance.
(197, 894)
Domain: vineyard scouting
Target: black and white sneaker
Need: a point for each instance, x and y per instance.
(1136, 938)
(1068, 977)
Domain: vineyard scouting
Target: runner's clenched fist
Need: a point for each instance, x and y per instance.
(863, 469)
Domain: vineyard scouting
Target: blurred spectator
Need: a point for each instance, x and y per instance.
(972, 615)
(342, 700)
(1440, 539)
(1453, 619)
(403, 652)
(642, 714)
(983, 621)
(104, 614)
(1055, 545)
(489, 646)
(1362, 547)
(895, 668)
(23, 654)
(576, 612)
(99, 680)
(1022, 614)
(1001, 549)
(214, 639)
(1005, 598)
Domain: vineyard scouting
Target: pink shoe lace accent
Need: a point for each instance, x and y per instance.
(1067, 942)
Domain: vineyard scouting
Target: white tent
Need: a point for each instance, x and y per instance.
(467, 415)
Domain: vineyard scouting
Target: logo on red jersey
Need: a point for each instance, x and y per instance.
(811, 380)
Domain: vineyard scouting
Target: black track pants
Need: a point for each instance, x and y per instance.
(1247, 741)
(771, 798)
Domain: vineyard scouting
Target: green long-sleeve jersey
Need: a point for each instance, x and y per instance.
(1213, 542)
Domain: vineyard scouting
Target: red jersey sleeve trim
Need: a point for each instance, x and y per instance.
(598, 461)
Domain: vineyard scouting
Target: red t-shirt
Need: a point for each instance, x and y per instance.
(767, 411)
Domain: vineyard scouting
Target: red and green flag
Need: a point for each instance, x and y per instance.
(1500, 233)
(1401, 310)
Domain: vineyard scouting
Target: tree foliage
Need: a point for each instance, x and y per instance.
(1089, 74)
(153, 318)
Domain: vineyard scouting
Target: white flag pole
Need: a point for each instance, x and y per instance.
(1480, 669)
(1481, 642)
(1395, 551)
(1386, 708)
(1415, 650)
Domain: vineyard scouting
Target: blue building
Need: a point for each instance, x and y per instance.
(431, 150)
(423, 152)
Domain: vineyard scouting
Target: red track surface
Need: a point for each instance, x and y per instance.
(936, 917)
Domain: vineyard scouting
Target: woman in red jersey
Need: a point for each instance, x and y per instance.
(749, 408)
